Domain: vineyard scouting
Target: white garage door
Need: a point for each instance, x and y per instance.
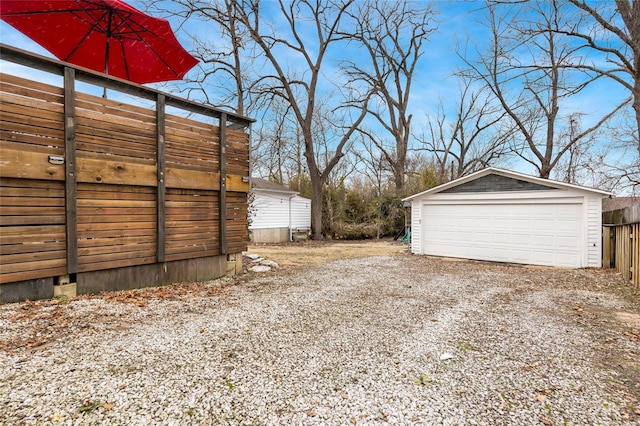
(537, 234)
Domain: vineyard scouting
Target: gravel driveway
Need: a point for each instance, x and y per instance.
(392, 339)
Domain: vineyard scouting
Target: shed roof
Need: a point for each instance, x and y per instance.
(265, 185)
(508, 174)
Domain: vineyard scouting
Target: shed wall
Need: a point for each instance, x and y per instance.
(300, 213)
(280, 210)
(270, 210)
(270, 235)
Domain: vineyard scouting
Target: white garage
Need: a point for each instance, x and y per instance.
(503, 216)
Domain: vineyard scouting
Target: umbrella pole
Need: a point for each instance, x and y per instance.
(106, 59)
(106, 63)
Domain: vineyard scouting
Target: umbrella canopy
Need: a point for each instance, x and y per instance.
(103, 35)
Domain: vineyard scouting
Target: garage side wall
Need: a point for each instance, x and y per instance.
(416, 226)
(594, 231)
(300, 213)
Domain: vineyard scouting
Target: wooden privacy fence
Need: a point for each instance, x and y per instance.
(621, 242)
(93, 184)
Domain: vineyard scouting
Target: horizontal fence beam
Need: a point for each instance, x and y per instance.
(42, 63)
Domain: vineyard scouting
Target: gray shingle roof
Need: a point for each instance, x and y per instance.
(617, 203)
(257, 183)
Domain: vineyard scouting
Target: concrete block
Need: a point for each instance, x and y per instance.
(20, 291)
(69, 290)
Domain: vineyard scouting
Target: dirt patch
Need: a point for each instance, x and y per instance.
(633, 320)
(304, 253)
(44, 321)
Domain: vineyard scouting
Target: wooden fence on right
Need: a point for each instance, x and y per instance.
(621, 242)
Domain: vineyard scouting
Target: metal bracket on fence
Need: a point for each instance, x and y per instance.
(56, 159)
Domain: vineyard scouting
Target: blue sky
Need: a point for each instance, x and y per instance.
(432, 82)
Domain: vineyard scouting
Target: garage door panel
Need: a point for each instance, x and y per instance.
(502, 238)
(540, 240)
(521, 223)
(568, 259)
(543, 258)
(567, 243)
(546, 234)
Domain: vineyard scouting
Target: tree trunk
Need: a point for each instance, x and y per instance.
(400, 166)
(398, 176)
(545, 171)
(316, 209)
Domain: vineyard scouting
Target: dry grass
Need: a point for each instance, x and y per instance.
(305, 253)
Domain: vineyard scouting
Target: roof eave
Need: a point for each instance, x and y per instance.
(506, 173)
(275, 190)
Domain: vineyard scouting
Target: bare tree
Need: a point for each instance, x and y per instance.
(274, 154)
(610, 31)
(392, 33)
(372, 164)
(528, 68)
(422, 173)
(308, 30)
(225, 60)
(616, 35)
(475, 138)
(335, 194)
(615, 165)
(573, 166)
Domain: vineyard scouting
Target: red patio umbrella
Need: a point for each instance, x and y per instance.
(103, 35)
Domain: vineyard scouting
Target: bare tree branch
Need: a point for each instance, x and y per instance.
(301, 89)
(392, 33)
(472, 140)
(530, 69)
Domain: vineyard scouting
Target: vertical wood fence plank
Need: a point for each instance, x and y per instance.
(71, 205)
(161, 164)
(618, 251)
(629, 250)
(626, 246)
(606, 247)
(223, 184)
(635, 250)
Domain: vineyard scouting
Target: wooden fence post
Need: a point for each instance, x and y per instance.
(71, 191)
(606, 247)
(223, 184)
(161, 189)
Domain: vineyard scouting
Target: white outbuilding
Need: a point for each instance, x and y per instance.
(504, 216)
(277, 214)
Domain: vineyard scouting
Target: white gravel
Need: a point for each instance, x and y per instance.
(350, 342)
